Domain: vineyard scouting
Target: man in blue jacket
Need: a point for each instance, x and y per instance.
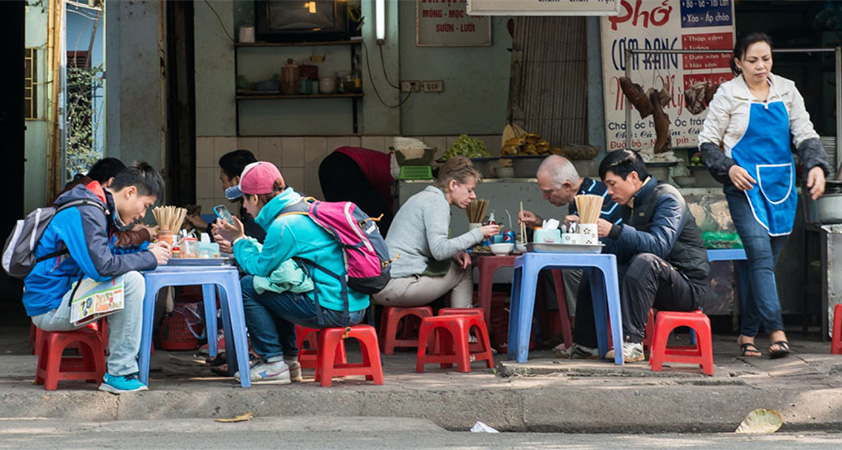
(83, 237)
(661, 258)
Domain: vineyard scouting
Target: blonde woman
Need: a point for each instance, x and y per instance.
(431, 264)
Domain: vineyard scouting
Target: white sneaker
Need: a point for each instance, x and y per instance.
(268, 373)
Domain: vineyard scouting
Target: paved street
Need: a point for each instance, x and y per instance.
(362, 433)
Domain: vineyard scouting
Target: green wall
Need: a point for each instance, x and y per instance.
(473, 101)
(36, 136)
(476, 82)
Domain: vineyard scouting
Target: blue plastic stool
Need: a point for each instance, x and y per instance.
(230, 296)
(738, 255)
(602, 271)
(726, 254)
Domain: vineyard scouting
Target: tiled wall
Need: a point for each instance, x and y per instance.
(298, 158)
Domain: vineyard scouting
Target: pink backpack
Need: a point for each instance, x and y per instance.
(363, 247)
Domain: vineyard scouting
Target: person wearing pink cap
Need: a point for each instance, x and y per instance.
(271, 315)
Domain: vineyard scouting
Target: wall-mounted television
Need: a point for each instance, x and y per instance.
(298, 20)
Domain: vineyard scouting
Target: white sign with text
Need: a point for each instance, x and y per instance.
(662, 25)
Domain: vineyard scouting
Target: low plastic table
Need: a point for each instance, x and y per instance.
(602, 271)
(225, 277)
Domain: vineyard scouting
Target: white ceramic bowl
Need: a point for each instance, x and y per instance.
(521, 247)
(502, 249)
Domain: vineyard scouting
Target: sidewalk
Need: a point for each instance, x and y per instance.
(544, 394)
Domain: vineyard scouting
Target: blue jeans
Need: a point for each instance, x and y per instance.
(271, 319)
(124, 326)
(763, 251)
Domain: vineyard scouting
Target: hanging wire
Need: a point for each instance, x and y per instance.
(374, 86)
(221, 24)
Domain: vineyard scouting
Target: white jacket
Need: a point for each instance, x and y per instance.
(728, 116)
(728, 113)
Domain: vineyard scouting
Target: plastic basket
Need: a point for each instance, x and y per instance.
(416, 173)
(176, 333)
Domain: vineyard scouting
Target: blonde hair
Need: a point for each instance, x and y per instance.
(459, 169)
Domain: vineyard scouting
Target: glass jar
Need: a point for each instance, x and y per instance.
(290, 81)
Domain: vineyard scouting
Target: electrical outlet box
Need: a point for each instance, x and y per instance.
(411, 86)
(433, 86)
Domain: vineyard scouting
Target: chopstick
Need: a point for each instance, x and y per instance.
(522, 226)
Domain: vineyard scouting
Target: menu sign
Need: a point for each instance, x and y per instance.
(543, 7)
(446, 23)
(663, 25)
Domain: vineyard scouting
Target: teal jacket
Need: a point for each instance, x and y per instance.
(296, 235)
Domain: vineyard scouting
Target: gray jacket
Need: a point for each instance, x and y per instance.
(420, 232)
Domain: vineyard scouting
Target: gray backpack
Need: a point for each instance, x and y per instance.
(19, 251)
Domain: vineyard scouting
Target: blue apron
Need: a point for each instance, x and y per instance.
(765, 153)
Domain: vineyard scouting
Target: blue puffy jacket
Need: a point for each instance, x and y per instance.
(88, 235)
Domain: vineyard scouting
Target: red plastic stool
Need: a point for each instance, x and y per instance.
(476, 347)
(331, 338)
(52, 366)
(389, 321)
(308, 358)
(836, 339)
(701, 353)
(36, 336)
(452, 342)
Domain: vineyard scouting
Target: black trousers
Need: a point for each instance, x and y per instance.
(342, 179)
(646, 282)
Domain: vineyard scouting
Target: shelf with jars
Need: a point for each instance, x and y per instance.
(300, 81)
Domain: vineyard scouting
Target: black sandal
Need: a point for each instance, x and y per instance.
(783, 349)
(749, 347)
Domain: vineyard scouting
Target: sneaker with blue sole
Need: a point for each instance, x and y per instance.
(121, 384)
(268, 373)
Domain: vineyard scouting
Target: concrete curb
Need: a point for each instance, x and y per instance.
(544, 405)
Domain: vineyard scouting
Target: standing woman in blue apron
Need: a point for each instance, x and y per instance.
(754, 117)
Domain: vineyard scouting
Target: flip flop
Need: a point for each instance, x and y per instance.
(783, 349)
(749, 347)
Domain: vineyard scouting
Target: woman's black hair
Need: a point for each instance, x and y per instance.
(743, 43)
(622, 163)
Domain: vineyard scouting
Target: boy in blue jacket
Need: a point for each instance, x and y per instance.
(83, 236)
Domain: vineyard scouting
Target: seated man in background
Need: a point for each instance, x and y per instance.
(560, 183)
(75, 246)
(231, 165)
(661, 258)
(361, 176)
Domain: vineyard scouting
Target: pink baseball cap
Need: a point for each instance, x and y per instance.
(257, 178)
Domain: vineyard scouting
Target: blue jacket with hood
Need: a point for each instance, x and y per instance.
(88, 234)
(296, 235)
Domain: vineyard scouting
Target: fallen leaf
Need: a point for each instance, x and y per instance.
(241, 418)
(761, 421)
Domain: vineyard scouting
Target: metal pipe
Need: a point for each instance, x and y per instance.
(626, 100)
(719, 52)
(838, 67)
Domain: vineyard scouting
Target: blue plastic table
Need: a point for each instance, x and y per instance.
(227, 279)
(602, 271)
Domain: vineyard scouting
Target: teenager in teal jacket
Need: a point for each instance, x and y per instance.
(271, 316)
